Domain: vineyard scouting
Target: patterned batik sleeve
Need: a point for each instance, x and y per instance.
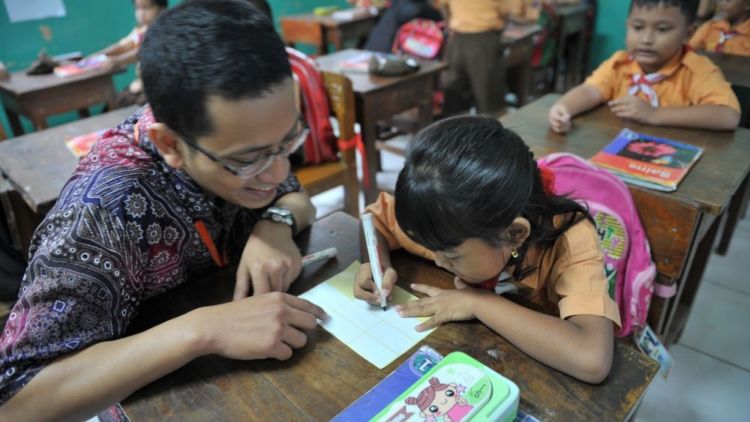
(76, 292)
(246, 219)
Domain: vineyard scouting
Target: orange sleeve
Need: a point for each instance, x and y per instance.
(383, 211)
(604, 78)
(578, 275)
(698, 40)
(708, 87)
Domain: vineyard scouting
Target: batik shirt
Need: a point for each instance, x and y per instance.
(123, 230)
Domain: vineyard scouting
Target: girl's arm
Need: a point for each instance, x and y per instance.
(78, 385)
(581, 346)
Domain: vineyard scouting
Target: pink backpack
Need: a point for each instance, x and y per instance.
(627, 255)
(419, 38)
(320, 145)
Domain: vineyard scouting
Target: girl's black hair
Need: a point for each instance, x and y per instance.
(160, 3)
(469, 177)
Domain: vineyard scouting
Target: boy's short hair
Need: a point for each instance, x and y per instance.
(204, 48)
(161, 3)
(689, 8)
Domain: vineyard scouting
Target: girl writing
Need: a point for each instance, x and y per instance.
(471, 198)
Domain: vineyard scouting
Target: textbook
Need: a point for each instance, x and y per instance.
(81, 145)
(81, 66)
(427, 387)
(648, 161)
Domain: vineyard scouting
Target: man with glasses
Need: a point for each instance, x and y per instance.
(196, 179)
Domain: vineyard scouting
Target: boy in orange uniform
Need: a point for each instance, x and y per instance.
(730, 35)
(658, 80)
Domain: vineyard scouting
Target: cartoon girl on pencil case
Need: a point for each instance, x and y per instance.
(441, 402)
(472, 199)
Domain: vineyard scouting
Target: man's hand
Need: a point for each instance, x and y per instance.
(559, 118)
(270, 260)
(266, 325)
(632, 108)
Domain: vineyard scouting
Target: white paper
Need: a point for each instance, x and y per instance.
(28, 10)
(380, 337)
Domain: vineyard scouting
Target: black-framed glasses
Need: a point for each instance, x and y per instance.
(246, 169)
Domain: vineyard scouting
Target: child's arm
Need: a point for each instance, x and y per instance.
(582, 98)
(708, 116)
(580, 346)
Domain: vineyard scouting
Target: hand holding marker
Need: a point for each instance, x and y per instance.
(371, 241)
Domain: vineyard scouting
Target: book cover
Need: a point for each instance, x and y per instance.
(648, 161)
(359, 63)
(458, 388)
(81, 66)
(81, 145)
(379, 396)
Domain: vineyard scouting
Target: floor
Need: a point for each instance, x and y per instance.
(711, 377)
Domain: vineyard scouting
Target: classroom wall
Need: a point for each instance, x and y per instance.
(90, 25)
(609, 30)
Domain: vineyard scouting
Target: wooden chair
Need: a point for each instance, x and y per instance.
(307, 31)
(3, 135)
(322, 177)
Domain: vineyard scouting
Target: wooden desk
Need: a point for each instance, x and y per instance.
(518, 47)
(379, 98)
(572, 27)
(322, 30)
(37, 166)
(40, 96)
(326, 376)
(680, 225)
(736, 70)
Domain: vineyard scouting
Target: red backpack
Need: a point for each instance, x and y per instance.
(420, 38)
(320, 145)
(629, 268)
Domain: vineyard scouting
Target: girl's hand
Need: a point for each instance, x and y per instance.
(364, 286)
(632, 108)
(441, 304)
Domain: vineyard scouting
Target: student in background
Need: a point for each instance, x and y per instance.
(472, 198)
(197, 178)
(125, 51)
(706, 10)
(658, 80)
(475, 75)
(730, 34)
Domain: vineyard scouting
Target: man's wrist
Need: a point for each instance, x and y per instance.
(280, 216)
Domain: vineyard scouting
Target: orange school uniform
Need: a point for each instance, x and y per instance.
(475, 16)
(719, 36)
(688, 79)
(569, 276)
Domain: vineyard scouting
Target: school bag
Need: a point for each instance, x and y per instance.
(420, 38)
(320, 145)
(629, 268)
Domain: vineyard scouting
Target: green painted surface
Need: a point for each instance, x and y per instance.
(609, 30)
(90, 25)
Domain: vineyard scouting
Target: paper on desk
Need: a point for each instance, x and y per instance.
(380, 337)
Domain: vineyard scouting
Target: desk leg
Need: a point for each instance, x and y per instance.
(84, 112)
(15, 122)
(39, 121)
(734, 213)
(683, 301)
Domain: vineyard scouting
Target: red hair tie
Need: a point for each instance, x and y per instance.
(548, 179)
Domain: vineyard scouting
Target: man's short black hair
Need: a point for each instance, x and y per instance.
(203, 48)
(689, 8)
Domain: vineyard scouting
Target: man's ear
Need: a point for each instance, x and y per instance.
(166, 143)
(519, 230)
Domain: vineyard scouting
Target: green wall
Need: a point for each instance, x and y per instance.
(90, 25)
(609, 30)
